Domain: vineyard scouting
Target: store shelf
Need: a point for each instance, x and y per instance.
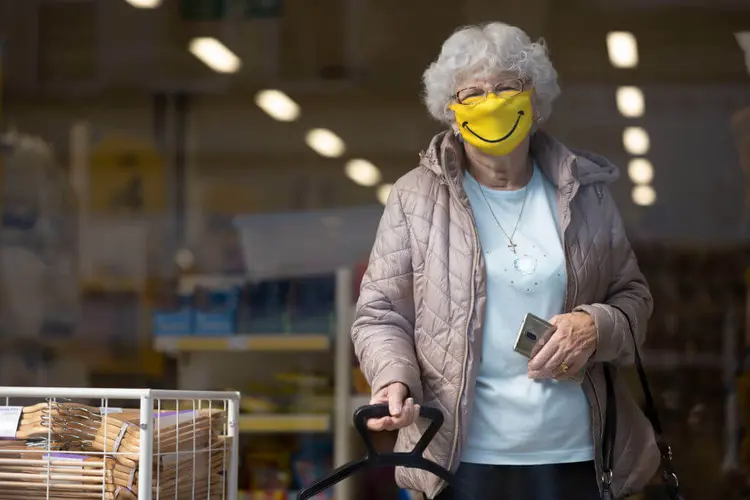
(281, 423)
(210, 364)
(212, 281)
(242, 342)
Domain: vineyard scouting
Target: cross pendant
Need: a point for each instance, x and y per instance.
(512, 246)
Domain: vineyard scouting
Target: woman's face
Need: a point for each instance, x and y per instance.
(493, 114)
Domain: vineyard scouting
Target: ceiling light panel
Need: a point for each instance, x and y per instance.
(622, 49)
(630, 102)
(363, 172)
(325, 143)
(640, 171)
(643, 195)
(277, 105)
(215, 55)
(145, 4)
(636, 141)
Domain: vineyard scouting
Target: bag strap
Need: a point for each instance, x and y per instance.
(668, 472)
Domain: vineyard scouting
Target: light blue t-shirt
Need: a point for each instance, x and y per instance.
(516, 420)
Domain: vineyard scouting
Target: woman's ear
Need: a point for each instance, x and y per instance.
(537, 121)
(535, 109)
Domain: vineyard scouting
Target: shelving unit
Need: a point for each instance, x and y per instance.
(210, 361)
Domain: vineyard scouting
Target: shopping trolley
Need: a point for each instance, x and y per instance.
(374, 459)
(71, 443)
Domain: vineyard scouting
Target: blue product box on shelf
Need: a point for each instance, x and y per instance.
(264, 307)
(221, 318)
(313, 304)
(178, 322)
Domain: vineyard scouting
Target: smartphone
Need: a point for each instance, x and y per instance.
(534, 328)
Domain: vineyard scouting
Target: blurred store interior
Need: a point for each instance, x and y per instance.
(190, 191)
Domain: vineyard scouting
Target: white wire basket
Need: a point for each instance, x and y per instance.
(118, 444)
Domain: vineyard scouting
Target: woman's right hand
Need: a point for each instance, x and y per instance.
(403, 410)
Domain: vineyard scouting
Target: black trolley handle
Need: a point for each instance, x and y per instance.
(374, 459)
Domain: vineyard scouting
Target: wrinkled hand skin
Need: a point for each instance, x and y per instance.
(572, 342)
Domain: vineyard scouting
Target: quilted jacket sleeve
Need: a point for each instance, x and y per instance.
(628, 291)
(383, 330)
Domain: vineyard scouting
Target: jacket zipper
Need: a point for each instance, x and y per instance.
(571, 276)
(466, 356)
(462, 384)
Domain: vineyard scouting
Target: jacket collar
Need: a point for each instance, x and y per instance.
(563, 166)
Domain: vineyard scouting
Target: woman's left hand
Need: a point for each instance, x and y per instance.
(566, 349)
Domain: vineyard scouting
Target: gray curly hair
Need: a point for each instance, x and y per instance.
(484, 50)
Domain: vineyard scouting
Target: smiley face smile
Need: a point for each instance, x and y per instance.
(515, 125)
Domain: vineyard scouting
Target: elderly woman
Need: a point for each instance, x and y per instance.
(498, 220)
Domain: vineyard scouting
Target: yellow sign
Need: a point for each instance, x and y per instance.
(127, 176)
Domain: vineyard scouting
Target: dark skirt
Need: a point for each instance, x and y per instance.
(573, 481)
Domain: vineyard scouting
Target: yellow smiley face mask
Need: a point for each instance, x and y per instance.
(496, 125)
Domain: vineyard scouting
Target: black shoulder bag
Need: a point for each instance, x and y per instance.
(668, 473)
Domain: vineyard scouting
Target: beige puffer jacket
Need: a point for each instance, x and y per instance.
(422, 302)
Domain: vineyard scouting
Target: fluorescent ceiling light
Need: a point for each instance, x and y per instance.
(215, 55)
(383, 191)
(277, 105)
(325, 143)
(630, 102)
(622, 49)
(643, 195)
(362, 172)
(640, 171)
(144, 4)
(636, 141)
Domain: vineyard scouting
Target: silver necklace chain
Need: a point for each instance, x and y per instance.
(511, 244)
